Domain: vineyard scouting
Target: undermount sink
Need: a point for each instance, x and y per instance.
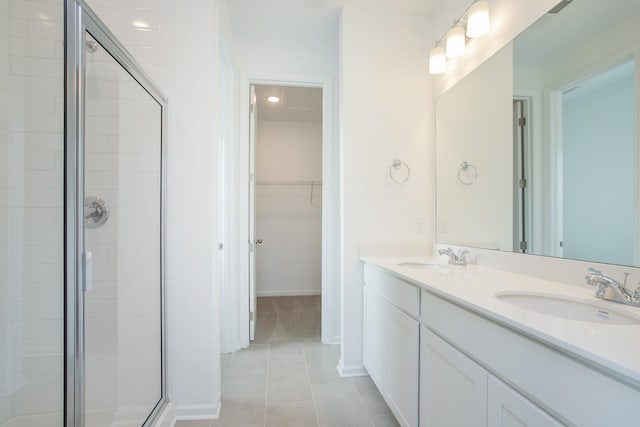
(567, 308)
(425, 265)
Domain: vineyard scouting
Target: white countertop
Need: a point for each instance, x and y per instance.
(614, 349)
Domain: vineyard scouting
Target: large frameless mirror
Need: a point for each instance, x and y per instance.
(537, 149)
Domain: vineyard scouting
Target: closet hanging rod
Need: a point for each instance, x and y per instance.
(288, 182)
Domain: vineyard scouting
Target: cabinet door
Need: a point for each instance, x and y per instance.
(402, 381)
(508, 408)
(375, 335)
(453, 388)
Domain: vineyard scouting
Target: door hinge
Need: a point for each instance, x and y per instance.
(250, 247)
(522, 183)
(252, 107)
(561, 244)
(251, 316)
(250, 177)
(220, 246)
(523, 245)
(522, 121)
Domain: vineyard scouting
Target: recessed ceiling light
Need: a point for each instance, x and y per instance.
(139, 24)
(273, 99)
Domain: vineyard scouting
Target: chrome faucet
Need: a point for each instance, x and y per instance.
(455, 258)
(610, 289)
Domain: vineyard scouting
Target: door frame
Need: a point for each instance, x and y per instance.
(330, 200)
(554, 132)
(80, 19)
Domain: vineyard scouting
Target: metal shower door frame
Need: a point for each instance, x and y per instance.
(80, 19)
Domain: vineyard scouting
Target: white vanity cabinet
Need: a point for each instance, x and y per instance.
(546, 387)
(391, 342)
(508, 408)
(440, 359)
(456, 391)
(453, 388)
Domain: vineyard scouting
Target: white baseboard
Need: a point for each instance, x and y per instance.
(198, 412)
(167, 417)
(332, 340)
(288, 293)
(351, 371)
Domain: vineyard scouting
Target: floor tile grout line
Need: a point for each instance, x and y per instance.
(313, 396)
(362, 402)
(266, 391)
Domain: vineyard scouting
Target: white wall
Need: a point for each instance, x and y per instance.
(179, 50)
(386, 109)
(288, 217)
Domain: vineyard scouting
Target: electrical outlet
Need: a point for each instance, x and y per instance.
(419, 225)
(443, 225)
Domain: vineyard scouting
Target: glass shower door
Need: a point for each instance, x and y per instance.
(122, 242)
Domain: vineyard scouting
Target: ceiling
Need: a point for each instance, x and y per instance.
(310, 22)
(297, 104)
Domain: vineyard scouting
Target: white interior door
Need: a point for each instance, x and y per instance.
(252, 214)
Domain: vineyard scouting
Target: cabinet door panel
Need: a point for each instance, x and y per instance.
(508, 408)
(375, 335)
(403, 366)
(453, 388)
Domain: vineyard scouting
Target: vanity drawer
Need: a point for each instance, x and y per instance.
(401, 294)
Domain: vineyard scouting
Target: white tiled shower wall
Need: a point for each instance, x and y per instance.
(31, 214)
(123, 310)
(6, 356)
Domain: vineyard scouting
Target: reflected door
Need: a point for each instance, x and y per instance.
(122, 242)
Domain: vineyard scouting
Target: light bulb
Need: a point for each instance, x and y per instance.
(437, 60)
(455, 42)
(478, 19)
(273, 99)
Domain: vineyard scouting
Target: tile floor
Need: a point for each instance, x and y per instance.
(287, 378)
(282, 319)
(294, 384)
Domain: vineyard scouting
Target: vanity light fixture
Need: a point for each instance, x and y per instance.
(476, 21)
(437, 60)
(273, 99)
(456, 41)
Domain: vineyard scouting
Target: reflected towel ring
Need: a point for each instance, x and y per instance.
(464, 167)
(396, 167)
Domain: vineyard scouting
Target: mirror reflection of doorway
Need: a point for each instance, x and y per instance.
(287, 210)
(597, 163)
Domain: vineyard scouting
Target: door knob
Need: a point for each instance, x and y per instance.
(259, 242)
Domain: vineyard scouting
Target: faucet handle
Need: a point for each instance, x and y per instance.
(594, 271)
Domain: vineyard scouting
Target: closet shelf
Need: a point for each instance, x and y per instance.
(288, 182)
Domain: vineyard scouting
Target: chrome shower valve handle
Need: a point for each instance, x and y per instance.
(96, 212)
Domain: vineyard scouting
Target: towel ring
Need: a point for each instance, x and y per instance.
(396, 167)
(465, 166)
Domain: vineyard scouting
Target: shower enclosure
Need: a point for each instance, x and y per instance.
(82, 167)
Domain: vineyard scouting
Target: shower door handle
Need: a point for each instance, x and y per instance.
(87, 259)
